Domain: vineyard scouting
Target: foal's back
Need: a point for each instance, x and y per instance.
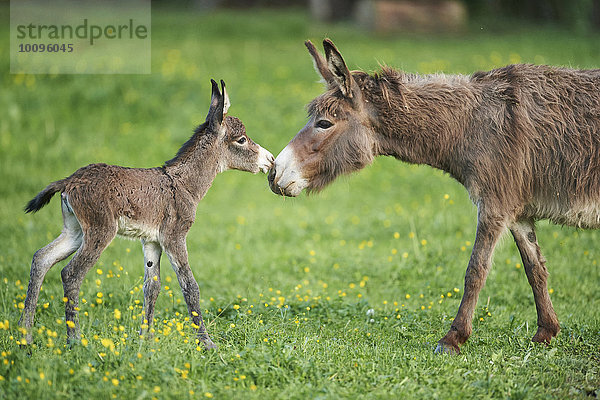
(129, 196)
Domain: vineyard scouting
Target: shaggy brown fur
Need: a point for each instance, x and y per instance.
(524, 140)
(156, 205)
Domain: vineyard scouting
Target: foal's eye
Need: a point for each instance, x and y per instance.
(323, 124)
(241, 140)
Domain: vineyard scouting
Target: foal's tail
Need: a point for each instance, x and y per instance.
(44, 196)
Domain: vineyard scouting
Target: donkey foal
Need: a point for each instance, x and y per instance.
(156, 205)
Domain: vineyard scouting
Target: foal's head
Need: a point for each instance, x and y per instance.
(238, 151)
(338, 137)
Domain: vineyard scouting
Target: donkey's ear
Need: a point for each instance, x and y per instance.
(337, 68)
(320, 63)
(226, 102)
(215, 113)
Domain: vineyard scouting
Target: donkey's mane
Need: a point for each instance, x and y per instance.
(389, 77)
(382, 82)
(387, 86)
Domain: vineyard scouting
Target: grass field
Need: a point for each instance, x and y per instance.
(286, 283)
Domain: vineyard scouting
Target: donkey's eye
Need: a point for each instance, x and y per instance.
(324, 124)
(241, 140)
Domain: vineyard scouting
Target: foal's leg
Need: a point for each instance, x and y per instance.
(152, 252)
(177, 253)
(489, 230)
(537, 275)
(95, 240)
(59, 249)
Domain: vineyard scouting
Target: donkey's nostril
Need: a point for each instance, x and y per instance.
(271, 176)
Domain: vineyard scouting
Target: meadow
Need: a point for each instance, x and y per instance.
(340, 294)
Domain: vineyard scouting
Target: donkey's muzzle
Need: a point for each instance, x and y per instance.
(274, 183)
(282, 186)
(285, 178)
(271, 178)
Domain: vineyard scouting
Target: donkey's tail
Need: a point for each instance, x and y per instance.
(44, 196)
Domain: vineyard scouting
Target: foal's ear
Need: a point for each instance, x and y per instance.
(226, 102)
(215, 112)
(337, 68)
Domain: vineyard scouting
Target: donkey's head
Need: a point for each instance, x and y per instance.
(238, 150)
(338, 138)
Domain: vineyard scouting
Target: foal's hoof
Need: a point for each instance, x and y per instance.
(445, 348)
(73, 342)
(209, 345)
(206, 342)
(27, 349)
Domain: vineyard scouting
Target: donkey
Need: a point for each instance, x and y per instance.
(523, 140)
(156, 205)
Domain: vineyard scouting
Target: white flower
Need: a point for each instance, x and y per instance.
(370, 312)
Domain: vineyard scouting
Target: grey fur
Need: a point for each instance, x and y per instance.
(156, 205)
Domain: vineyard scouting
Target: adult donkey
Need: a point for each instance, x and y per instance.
(524, 140)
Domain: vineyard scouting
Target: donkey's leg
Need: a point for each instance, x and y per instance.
(489, 230)
(95, 240)
(177, 253)
(59, 249)
(152, 252)
(537, 275)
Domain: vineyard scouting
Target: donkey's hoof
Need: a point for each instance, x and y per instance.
(544, 335)
(444, 348)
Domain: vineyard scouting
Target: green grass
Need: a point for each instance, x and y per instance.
(286, 283)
